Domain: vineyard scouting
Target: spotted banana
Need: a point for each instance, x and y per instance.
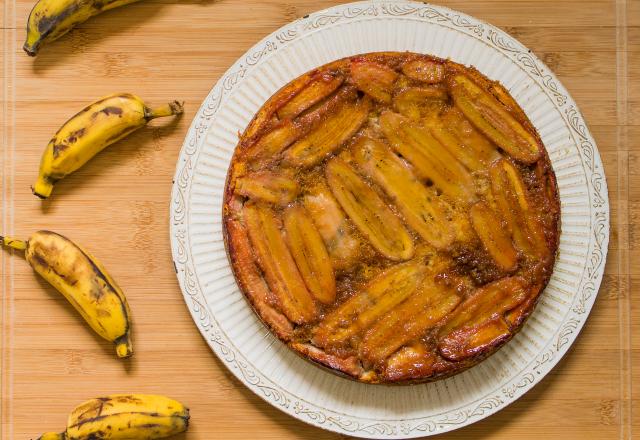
(87, 133)
(51, 19)
(83, 281)
(124, 416)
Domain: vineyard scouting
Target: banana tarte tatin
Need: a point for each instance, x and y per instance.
(393, 217)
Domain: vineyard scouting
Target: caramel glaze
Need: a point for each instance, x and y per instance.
(470, 260)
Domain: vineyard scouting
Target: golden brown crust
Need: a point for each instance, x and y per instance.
(485, 279)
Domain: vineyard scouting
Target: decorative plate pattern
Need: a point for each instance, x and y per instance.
(268, 367)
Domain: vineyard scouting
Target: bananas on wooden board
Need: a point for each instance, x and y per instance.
(124, 417)
(51, 19)
(87, 133)
(83, 281)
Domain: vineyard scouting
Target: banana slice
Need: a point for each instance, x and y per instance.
(515, 317)
(413, 361)
(336, 130)
(423, 70)
(368, 212)
(471, 140)
(333, 226)
(319, 88)
(457, 338)
(492, 119)
(278, 265)
(429, 158)
(467, 156)
(380, 295)
(495, 239)
(376, 80)
(494, 298)
(267, 186)
(469, 341)
(415, 102)
(410, 320)
(423, 210)
(268, 147)
(512, 201)
(310, 254)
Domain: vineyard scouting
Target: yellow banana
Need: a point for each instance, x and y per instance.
(83, 281)
(124, 416)
(87, 133)
(51, 19)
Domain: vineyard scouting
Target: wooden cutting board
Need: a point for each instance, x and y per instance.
(117, 207)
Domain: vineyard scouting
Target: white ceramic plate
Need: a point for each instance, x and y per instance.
(267, 366)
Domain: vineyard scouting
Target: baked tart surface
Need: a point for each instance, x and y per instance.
(392, 217)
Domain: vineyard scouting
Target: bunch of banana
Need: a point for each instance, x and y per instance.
(83, 281)
(51, 19)
(123, 416)
(87, 133)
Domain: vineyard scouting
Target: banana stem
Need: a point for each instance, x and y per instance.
(13, 243)
(170, 109)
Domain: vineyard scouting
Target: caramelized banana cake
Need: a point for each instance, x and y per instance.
(392, 217)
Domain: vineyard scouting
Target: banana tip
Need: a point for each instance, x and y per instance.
(32, 51)
(42, 188)
(124, 349)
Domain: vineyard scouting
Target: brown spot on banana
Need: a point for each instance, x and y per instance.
(73, 137)
(112, 110)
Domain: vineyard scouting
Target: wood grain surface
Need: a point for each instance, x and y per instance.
(117, 207)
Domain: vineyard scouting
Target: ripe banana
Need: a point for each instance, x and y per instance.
(87, 133)
(83, 281)
(123, 416)
(51, 19)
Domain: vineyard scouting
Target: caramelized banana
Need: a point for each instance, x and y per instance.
(515, 317)
(429, 158)
(423, 70)
(333, 226)
(413, 102)
(467, 156)
(380, 295)
(410, 320)
(368, 212)
(493, 299)
(491, 117)
(496, 241)
(269, 146)
(468, 341)
(478, 321)
(411, 362)
(310, 254)
(470, 138)
(267, 186)
(512, 201)
(421, 207)
(336, 130)
(373, 79)
(319, 88)
(278, 266)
